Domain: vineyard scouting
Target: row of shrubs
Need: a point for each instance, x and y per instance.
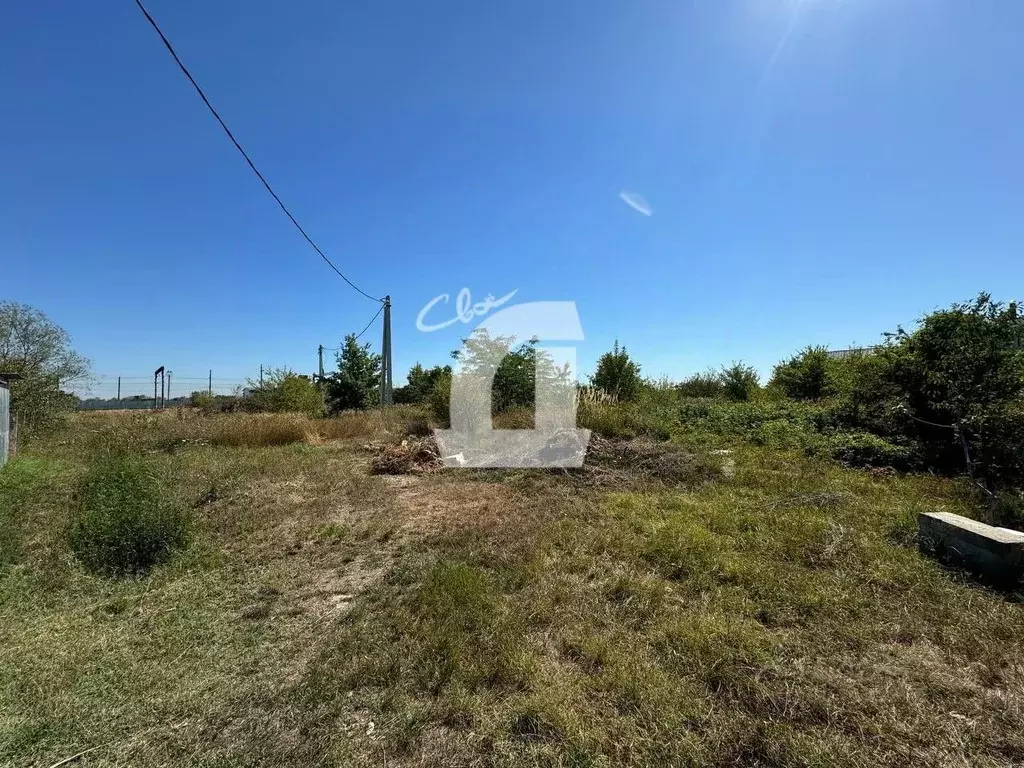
(947, 397)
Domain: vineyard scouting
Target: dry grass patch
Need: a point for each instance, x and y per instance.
(261, 429)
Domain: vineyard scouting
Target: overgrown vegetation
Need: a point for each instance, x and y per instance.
(714, 588)
(124, 525)
(284, 391)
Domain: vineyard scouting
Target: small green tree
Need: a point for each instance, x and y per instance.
(356, 383)
(519, 370)
(739, 382)
(283, 390)
(617, 374)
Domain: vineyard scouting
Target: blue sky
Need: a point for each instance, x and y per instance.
(816, 172)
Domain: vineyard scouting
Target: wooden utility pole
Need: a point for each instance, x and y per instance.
(320, 354)
(385, 362)
(210, 385)
(118, 389)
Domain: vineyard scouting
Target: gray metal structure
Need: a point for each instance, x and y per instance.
(5, 420)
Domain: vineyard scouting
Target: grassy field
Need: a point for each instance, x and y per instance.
(672, 605)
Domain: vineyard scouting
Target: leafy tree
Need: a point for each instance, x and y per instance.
(517, 373)
(422, 382)
(617, 374)
(809, 375)
(39, 351)
(356, 383)
(284, 390)
(739, 382)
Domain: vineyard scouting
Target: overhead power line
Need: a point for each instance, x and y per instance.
(365, 329)
(184, 69)
(371, 322)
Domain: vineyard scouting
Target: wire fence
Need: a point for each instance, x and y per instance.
(108, 392)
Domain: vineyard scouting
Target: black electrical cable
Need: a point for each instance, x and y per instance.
(184, 69)
(370, 323)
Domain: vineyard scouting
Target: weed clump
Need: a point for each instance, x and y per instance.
(124, 526)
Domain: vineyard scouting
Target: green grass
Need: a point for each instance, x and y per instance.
(323, 616)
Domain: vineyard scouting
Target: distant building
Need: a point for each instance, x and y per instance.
(841, 353)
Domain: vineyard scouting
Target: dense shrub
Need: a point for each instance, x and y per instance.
(440, 399)
(421, 384)
(708, 384)
(204, 401)
(809, 375)
(512, 371)
(617, 374)
(739, 382)
(863, 450)
(285, 391)
(124, 526)
(951, 388)
(963, 369)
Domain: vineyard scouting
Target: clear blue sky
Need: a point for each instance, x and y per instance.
(817, 171)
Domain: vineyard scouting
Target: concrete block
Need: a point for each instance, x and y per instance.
(996, 553)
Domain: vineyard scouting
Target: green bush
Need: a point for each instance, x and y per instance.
(421, 384)
(123, 526)
(1007, 510)
(707, 384)
(739, 382)
(617, 374)
(960, 372)
(440, 398)
(204, 401)
(863, 450)
(284, 391)
(809, 375)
